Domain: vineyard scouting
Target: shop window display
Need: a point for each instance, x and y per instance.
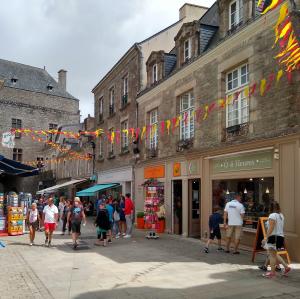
(257, 195)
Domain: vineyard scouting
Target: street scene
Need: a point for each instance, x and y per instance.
(150, 149)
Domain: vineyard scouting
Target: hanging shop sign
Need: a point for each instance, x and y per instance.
(8, 139)
(177, 169)
(243, 162)
(154, 172)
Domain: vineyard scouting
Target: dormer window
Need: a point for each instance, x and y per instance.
(14, 80)
(154, 73)
(49, 87)
(235, 13)
(187, 50)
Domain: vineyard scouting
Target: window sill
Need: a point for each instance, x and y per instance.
(100, 122)
(111, 115)
(124, 106)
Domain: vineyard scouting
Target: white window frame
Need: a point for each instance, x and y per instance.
(16, 123)
(236, 81)
(112, 98)
(101, 146)
(187, 53)
(153, 120)
(101, 105)
(154, 73)
(124, 136)
(125, 85)
(238, 18)
(187, 128)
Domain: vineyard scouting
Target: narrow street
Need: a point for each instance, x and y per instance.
(170, 267)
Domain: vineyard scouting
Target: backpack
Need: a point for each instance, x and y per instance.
(116, 216)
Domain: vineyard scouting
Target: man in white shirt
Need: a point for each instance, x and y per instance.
(50, 218)
(234, 211)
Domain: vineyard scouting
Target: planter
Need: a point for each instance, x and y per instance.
(161, 226)
(148, 225)
(140, 223)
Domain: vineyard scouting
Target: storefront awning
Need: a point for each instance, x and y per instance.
(11, 167)
(57, 187)
(94, 189)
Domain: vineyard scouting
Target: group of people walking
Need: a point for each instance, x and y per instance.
(233, 218)
(114, 218)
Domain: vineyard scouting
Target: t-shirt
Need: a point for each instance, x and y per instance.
(50, 212)
(110, 211)
(279, 224)
(33, 216)
(215, 220)
(234, 210)
(128, 206)
(76, 214)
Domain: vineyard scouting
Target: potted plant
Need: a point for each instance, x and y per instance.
(161, 224)
(140, 220)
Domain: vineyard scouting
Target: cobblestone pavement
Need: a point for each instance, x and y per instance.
(170, 267)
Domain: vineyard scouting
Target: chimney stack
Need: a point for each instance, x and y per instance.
(62, 79)
(190, 12)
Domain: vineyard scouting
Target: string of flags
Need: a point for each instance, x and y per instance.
(169, 126)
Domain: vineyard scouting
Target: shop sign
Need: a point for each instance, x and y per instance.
(177, 169)
(243, 162)
(193, 167)
(154, 172)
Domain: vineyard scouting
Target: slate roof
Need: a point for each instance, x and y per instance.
(30, 78)
(170, 63)
(211, 17)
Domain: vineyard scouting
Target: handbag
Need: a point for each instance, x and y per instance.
(116, 216)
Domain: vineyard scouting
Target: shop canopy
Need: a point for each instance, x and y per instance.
(11, 167)
(60, 186)
(92, 191)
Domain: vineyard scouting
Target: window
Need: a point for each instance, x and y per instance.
(153, 129)
(124, 135)
(100, 146)
(187, 50)
(187, 125)
(17, 154)
(154, 73)
(111, 101)
(125, 85)
(111, 148)
(101, 109)
(16, 124)
(235, 13)
(237, 110)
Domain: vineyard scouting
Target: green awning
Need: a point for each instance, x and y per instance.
(92, 191)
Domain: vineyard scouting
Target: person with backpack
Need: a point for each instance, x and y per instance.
(102, 224)
(116, 218)
(75, 217)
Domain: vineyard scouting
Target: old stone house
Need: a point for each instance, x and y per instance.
(31, 98)
(228, 130)
(115, 102)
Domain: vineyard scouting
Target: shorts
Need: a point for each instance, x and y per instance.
(235, 230)
(35, 225)
(50, 227)
(275, 242)
(75, 227)
(215, 233)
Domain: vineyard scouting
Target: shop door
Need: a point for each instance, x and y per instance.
(177, 207)
(194, 208)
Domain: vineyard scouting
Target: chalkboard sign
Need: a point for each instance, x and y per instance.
(261, 232)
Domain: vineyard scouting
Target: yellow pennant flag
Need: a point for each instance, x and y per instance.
(206, 112)
(168, 123)
(279, 75)
(112, 137)
(143, 132)
(284, 11)
(246, 92)
(263, 83)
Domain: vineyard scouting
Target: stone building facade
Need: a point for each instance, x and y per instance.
(115, 102)
(250, 146)
(31, 98)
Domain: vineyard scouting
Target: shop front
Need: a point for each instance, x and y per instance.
(261, 176)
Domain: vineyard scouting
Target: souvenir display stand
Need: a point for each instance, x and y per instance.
(25, 200)
(15, 215)
(154, 196)
(3, 216)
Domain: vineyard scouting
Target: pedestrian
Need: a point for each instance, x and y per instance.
(33, 220)
(274, 240)
(215, 220)
(128, 211)
(122, 222)
(110, 211)
(75, 217)
(116, 218)
(102, 225)
(61, 206)
(234, 211)
(40, 207)
(66, 223)
(50, 219)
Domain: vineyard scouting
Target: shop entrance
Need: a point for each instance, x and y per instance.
(194, 208)
(177, 207)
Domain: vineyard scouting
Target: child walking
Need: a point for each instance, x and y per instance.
(215, 220)
(103, 225)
